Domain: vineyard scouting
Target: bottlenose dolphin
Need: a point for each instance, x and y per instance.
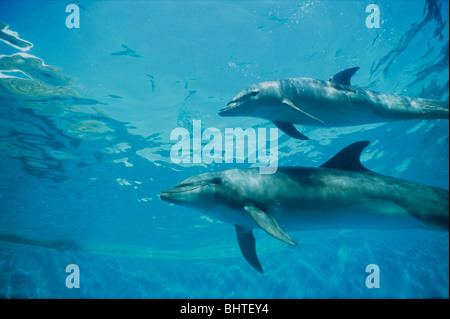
(341, 193)
(329, 103)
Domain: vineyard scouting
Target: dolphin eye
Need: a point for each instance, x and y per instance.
(183, 184)
(249, 95)
(244, 96)
(216, 180)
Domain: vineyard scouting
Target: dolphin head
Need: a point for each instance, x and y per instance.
(251, 101)
(196, 192)
(202, 192)
(217, 193)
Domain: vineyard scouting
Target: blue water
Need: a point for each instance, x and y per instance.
(85, 121)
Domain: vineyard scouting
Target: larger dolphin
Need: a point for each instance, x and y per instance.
(327, 103)
(339, 194)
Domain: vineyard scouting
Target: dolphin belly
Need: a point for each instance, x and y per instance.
(231, 216)
(369, 214)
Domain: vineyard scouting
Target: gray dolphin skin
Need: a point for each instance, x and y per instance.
(341, 193)
(329, 103)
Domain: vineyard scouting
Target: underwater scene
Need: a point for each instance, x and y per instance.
(224, 149)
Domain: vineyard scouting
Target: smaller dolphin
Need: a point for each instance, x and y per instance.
(329, 103)
(342, 193)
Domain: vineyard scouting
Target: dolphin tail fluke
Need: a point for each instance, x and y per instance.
(246, 242)
(289, 129)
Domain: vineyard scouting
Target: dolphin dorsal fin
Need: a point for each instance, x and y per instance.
(344, 76)
(348, 158)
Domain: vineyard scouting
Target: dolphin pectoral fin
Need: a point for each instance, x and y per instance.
(246, 242)
(290, 130)
(269, 224)
(289, 103)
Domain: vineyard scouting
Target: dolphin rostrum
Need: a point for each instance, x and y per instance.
(341, 193)
(329, 103)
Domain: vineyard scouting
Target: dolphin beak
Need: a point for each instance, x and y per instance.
(165, 196)
(178, 194)
(225, 111)
(170, 196)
